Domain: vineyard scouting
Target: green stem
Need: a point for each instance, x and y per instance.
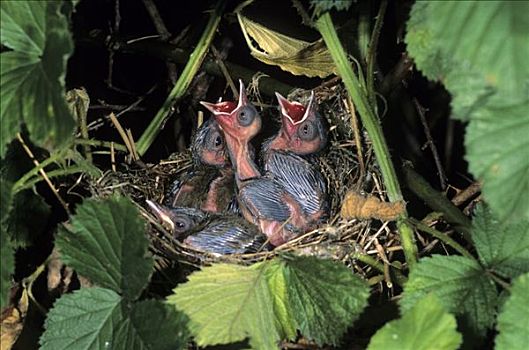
(99, 143)
(51, 174)
(441, 236)
(437, 201)
(369, 260)
(371, 123)
(21, 183)
(185, 78)
(371, 53)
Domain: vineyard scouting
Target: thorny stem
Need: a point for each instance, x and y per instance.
(185, 78)
(369, 119)
(441, 236)
(371, 53)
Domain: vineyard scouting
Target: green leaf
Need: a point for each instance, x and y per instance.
(32, 75)
(28, 218)
(321, 6)
(513, 322)
(97, 318)
(159, 326)
(425, 326)
(476, 48)
(228, 303)
(85, 319)
(106, 242)
(5, 197)
(325, 297)
(7, 267)
(479, 50)
(268, 301)
(498, 152)
(277, 283)
(503, 248)
(461, 286)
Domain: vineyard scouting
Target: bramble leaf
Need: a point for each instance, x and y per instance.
(476, 49)
(498, 152)
(502, 248)
(228, 303)
(513, 322)
(479, 50)
(32, 74)
(425, 326)
(106, 242)
(325, 297)
(460, 284)
(268, 301)
(7, 267)
(97, 318)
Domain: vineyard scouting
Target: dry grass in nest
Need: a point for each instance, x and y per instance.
(344, 166)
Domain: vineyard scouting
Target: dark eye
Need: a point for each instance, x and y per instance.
(307, 131)
(215, 142)
(246, 115)
(181, 223)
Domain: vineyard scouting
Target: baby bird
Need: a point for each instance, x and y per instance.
(210, 184)
(263, 200)
(209, 232)
(287, 157)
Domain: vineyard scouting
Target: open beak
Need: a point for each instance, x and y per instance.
(224, 112)
(161, 213)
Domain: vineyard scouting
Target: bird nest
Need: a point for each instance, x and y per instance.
(347, 164)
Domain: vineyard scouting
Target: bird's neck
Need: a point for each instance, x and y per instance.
(241, 160)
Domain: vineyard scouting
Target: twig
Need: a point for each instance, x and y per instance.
(371, 53)
(467, 193)
(358, 140)
(441, 236)
(123, 134)
(431, 144)
(164, 33)
(401, 70)
(382, 254)
(43, 173)
(132, 145)
(112, 157)
(99, 143)
(224, 70)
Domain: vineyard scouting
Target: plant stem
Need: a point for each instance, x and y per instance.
(437, 201)
(51, 174)
(371, 123)
(441, 236)
(371, 53)
(185, 78)
(369, 260)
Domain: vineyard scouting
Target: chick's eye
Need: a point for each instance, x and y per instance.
(181, 224)
(307, 131)
(215, 141)
(246, 115)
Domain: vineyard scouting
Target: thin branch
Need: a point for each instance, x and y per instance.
(372, 51)
(437, 201)
(431, 144)
(467, 193)
(441, 236)
(43, 173)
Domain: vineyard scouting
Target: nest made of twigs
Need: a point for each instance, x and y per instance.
(347, 164)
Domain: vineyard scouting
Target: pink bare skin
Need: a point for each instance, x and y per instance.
(295, 118)
(237, 135)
